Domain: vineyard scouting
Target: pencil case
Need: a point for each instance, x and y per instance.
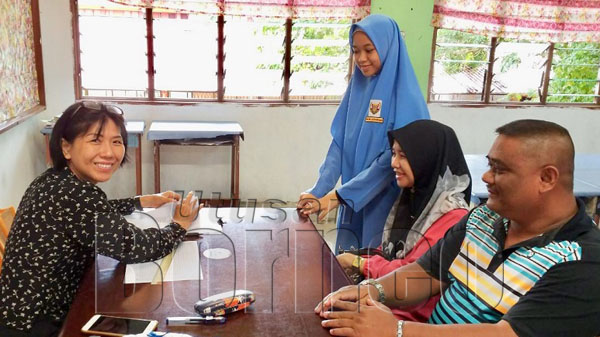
(224, 303)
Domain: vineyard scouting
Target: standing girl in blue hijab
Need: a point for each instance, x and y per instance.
(382, 95)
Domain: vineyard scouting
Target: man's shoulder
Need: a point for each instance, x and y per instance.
(590, 244)
(482, 216)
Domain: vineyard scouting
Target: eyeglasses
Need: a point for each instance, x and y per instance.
(98, 106)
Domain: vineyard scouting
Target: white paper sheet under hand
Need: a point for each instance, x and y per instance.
(205, 223)
(184, 266)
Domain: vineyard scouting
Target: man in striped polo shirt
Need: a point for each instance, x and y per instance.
(527, 263)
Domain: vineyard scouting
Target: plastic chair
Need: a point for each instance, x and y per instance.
(7, 215)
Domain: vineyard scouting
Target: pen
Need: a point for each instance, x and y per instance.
(196, 320)
(157, 334)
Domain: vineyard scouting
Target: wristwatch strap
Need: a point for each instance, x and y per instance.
(357, 261)
(377, 286)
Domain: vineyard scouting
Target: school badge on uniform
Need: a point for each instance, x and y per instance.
(374, 113)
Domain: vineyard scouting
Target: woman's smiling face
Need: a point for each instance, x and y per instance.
(365, 54)
(95, 157)
(401, 166)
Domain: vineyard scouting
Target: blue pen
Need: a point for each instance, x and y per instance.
(157, 334)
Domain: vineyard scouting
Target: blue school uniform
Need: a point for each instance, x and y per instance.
(359, 151)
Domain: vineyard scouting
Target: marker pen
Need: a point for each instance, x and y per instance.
(196, 320)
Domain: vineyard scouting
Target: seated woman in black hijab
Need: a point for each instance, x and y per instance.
(436, 189)
(65, 219)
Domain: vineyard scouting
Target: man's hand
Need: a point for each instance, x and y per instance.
(356, 319)
(355, 293)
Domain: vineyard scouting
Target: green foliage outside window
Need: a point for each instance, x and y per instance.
(309, 31)
(320, 50)
(510, 61)
(466, 54)
(273, 30)
(575, 71)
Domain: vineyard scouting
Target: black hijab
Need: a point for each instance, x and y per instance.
(433, 152)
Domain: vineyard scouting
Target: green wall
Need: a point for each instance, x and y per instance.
(414, 19)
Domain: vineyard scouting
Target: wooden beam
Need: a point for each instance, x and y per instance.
(546, 78)
(221, 58)
(150, 52)
(431, 65)
(76, 49)
(287, 61)
(487, 87)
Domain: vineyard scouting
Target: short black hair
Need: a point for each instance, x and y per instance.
(75, 121)
(534, 128)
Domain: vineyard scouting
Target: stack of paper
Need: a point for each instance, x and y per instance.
(184, 265)
(184, 262)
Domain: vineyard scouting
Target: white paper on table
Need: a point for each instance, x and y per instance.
(205, 223)
(186, 263)
(184, 266)
(141, 272)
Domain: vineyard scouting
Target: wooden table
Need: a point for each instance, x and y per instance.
(201, 134)
(279, 256)
(135, 129)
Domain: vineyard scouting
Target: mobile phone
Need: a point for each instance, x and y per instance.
(117, 326)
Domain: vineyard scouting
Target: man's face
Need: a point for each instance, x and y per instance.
(513, 177)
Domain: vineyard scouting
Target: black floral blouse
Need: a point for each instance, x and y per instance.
(61, 223)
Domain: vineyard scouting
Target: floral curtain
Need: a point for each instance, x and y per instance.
(342, 9)
(534, 20)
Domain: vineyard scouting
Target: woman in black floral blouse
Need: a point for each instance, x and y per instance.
(64, 219)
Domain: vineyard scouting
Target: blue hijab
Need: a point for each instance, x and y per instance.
(395, 85)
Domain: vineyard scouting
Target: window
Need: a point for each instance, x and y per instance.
(575, 73)
(470, 68)
(185, 52)
(320, 64)
(254, 58)
(164, 55)
(112, 58)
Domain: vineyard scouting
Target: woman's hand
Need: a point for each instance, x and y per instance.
(309, 204)
(328, 203)
(346, 260)
(187, 211)
(157, 200)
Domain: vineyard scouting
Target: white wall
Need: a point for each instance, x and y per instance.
(22, 147)
(279, 157)
(283, 149)
(475, 126)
